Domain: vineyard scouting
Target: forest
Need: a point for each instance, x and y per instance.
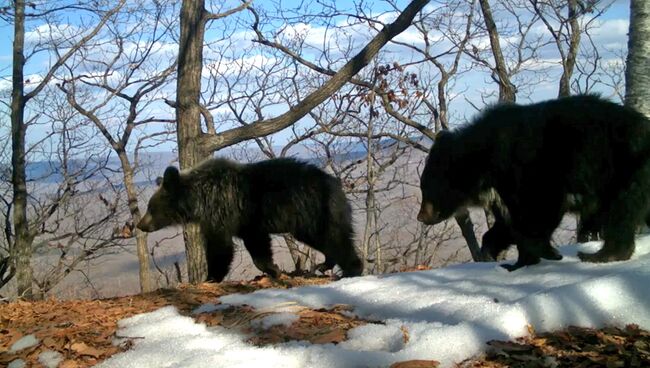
(103, 95)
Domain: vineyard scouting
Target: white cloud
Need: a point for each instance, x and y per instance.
(46, 33)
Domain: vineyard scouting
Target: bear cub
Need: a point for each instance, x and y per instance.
(251, 201)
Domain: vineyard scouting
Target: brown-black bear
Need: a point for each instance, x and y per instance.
(536, 156)
(499, 237)
(251, 201)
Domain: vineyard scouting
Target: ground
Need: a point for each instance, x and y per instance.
(83, 330)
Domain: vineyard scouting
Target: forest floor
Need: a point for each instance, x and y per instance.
(82, 331)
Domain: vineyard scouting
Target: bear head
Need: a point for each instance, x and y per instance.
(163, 209)
(445, 186)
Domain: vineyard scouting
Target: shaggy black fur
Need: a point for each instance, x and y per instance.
(537, 156)
(252, 201)
(500, 237)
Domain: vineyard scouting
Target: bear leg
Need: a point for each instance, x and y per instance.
(219, 256)
(338, 248)
(259, 247)
(618, 244)
(519, 264)
(325, 266)
(532, 229)
(627, 209)
(496, 242)
(589, 228)
(344, 255)
(524, 259)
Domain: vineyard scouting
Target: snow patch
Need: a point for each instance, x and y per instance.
(444, 314)
(50, 359)
(18, 363)
(276, 319)
(25, 342)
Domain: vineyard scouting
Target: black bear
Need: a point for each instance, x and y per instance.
(499, 237)
(536, 157)
(251, 201)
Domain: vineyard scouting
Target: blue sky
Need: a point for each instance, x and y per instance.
(614, 29)
(618, 10)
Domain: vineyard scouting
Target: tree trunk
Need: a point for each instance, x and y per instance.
(188, 117)
(22, 247)
(574, 43)
(375, 222)
(637, 73)
(140, 236)
(507, 91)
(369, 228)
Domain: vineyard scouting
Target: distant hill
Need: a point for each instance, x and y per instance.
(153, 164)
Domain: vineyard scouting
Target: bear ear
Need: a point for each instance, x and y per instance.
(159, 181)
(444, 138)
(171, 179)
(443, 135)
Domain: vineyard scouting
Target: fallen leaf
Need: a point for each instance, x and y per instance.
(335, 336)
(82, 348)
(416, 364)
(509, 347)
(405, 334)
(69, 364)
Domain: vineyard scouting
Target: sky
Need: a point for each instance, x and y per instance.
(612, 34)
(618, 11)
(448, 313)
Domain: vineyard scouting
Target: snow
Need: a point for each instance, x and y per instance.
(50, 359)
(23, 343)
(448, 314)
(18, 363)
(282, 318)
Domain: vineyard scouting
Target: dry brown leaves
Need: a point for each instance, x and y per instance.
(574, 347)
(83, 330)
(320, 326)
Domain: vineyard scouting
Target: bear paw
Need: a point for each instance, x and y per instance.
(512, 267)
(604, 257)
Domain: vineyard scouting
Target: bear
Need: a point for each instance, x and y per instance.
(498, 238)
(536, 157)
(252, 201)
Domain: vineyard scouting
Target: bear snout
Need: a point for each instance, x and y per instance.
(427, 214)
(146, 224)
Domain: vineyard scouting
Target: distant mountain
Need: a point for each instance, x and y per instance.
(153, 164)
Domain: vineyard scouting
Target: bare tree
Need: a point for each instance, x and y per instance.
(193, 19)
(567, 30)
(21, 249)
(70, 231)
(500, 74)
(115, 95)
(67, 169)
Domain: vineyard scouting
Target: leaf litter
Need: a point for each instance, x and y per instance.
(83, 331)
